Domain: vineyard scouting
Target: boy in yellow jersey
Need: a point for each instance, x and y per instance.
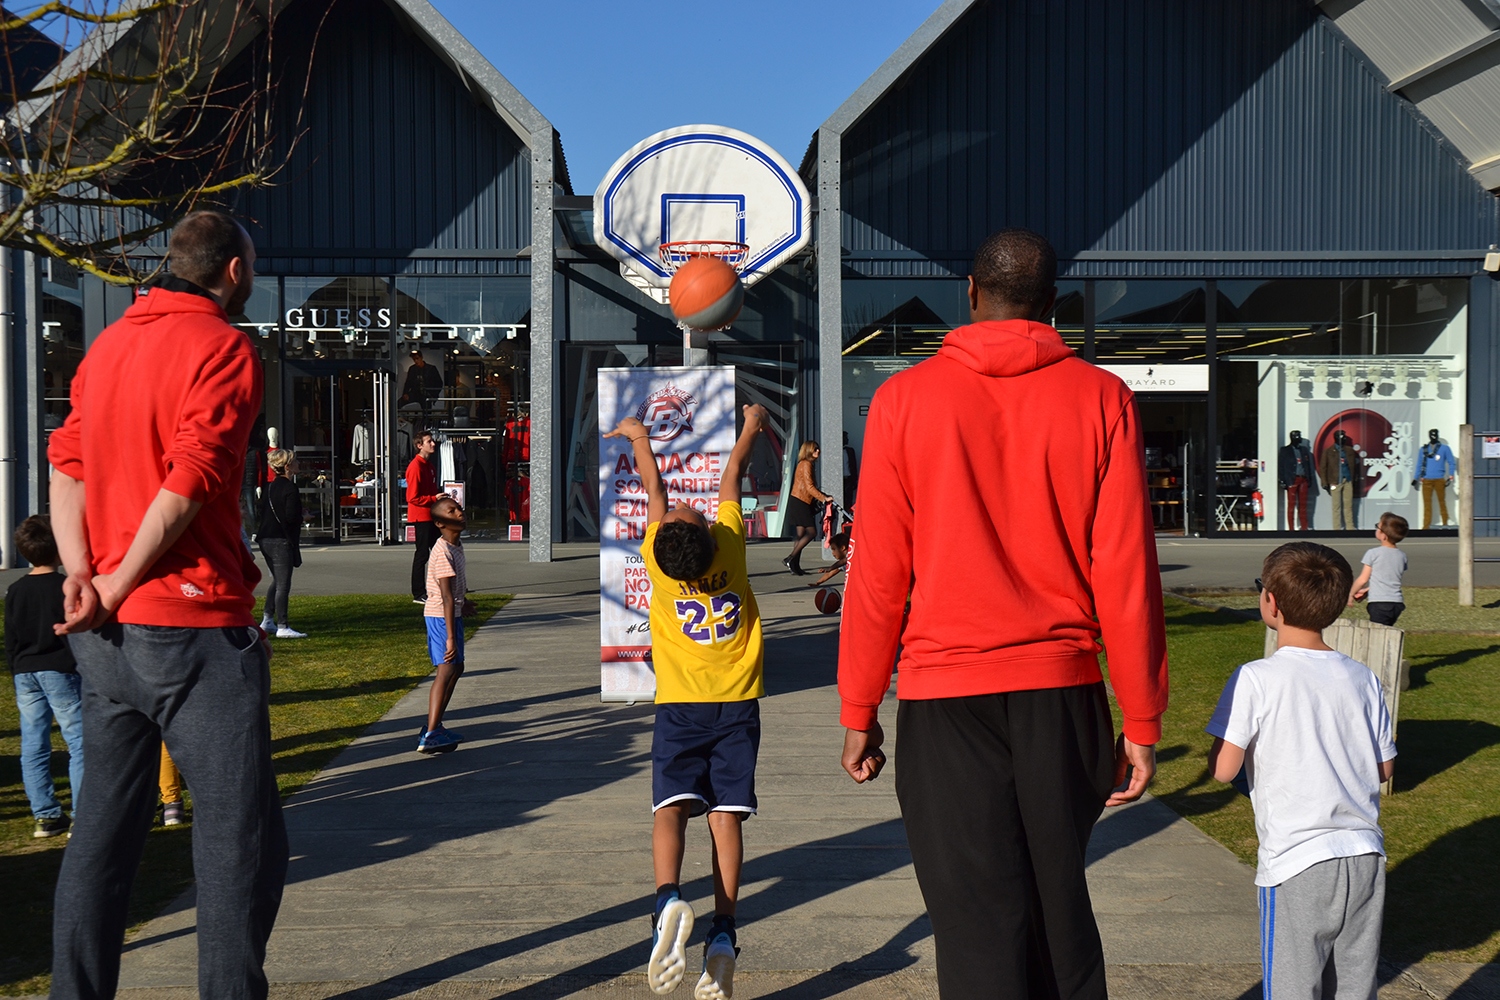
(706, 649)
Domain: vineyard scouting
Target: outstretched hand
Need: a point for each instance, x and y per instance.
(863, 759)
(629, 428)
(1140, 761)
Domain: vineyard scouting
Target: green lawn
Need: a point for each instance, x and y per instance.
(361, 655)
(1442, 826)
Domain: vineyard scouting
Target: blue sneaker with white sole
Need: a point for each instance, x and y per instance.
(669, 946)
(719, 957)
(436, 741)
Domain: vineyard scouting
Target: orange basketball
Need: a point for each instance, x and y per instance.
(828, 600)
(706, 294)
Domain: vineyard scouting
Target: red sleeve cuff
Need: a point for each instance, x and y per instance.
(185, 483)
(858, 717)
(1143, 732)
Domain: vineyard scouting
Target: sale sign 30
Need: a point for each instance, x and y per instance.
(689, 415)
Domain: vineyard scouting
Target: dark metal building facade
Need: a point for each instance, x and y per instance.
(1221, 170)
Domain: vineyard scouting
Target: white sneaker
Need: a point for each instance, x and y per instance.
(669, 947)
(268, 624)
(289, 633)
(717, 981)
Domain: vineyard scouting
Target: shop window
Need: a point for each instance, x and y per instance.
(464, 372)
(1149, 321)
(902, 317)
(1382, 361)
(338, 319)
(62, 340)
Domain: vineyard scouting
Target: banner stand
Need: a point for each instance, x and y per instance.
(689, 414)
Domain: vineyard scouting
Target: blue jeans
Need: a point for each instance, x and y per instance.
(41, 697)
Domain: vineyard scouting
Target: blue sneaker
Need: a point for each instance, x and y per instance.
(717, 981)
(669, 946)
(459, 737)
(436, 741)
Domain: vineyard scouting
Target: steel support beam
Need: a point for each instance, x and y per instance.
(830, 312)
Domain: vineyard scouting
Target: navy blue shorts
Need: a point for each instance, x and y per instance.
(704, 753)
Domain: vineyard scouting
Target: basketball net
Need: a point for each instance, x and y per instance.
(675, 253)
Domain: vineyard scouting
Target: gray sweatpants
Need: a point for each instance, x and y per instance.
(1320, 931)
(205, 692)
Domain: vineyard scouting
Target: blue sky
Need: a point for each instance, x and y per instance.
(607, 76)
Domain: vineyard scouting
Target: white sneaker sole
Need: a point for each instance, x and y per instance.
(717, 981)
(669, 956)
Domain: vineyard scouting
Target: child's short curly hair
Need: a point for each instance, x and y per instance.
(684, 550)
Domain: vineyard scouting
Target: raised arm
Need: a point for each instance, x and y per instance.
(635, 432)
(739, 456)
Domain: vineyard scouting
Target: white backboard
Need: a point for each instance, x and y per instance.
(700, 182)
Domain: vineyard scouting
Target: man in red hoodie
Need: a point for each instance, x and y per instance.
(145, 505)
(1008, 456)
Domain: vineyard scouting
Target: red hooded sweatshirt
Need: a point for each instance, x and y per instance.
(1003, 489)
(166, 398)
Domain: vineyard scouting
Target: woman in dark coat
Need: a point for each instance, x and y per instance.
(280, 535)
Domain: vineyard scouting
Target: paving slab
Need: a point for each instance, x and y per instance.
(519, 865)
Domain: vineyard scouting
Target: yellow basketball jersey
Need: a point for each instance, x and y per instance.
(706, 642)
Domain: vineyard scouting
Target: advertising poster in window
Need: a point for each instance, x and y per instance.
(689, 414)
(1386, 410)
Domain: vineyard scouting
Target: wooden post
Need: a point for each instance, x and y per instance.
(1378, 647)
(1466, 515)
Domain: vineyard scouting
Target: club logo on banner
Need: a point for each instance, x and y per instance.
(689, 415)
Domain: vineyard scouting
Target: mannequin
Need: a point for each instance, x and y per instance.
(273, 441)
(1340, 469)
(1294, 470)
(1435, 469)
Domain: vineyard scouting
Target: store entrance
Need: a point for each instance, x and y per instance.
(337, 424)
(1175, 432)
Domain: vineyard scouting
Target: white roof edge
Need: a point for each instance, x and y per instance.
(905, 56)
(522, 116)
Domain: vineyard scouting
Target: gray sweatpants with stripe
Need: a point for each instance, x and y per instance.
(1320, 931)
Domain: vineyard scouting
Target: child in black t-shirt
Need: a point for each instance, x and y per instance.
(46, 679)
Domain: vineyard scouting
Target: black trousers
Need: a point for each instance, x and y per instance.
(278, 556)
(205, 692)
(999, 794)
(1385, 612)
(427, 536)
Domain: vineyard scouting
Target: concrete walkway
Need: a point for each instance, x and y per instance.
(519, 865)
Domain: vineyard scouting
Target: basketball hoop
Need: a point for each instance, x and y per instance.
(676, 253)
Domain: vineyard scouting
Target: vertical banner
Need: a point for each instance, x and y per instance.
(689, 414)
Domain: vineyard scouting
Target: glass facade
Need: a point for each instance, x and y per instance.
(1224, 372)
(768, 374)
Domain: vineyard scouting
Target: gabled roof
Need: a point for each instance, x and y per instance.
(1441, 55)
(479, 76)
(891, 71)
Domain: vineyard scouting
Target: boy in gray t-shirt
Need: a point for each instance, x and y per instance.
(1381, 578)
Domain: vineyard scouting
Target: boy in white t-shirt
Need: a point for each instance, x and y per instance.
(1311, 729)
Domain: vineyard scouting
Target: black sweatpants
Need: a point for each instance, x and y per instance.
(999, 794)
(427, 536)
(205, 691)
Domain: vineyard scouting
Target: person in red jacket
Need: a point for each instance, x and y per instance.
(1011, 457)
(159, 596)
(421, 493)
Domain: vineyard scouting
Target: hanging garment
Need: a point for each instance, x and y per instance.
(362, 448)
(447, 464)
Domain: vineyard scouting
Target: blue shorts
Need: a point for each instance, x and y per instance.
(704, 753)
(437, 639)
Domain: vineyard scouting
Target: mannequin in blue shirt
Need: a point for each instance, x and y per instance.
(1434, 472)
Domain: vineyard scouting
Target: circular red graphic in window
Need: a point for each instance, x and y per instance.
(1367, 431)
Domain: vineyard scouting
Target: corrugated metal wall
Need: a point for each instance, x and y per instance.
(397, 156)
(1124, 128)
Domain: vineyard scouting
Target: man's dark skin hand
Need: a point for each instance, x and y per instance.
(863, 759)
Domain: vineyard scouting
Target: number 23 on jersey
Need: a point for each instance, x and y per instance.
(710, 619)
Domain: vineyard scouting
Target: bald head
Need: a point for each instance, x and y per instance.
(1015, 277)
